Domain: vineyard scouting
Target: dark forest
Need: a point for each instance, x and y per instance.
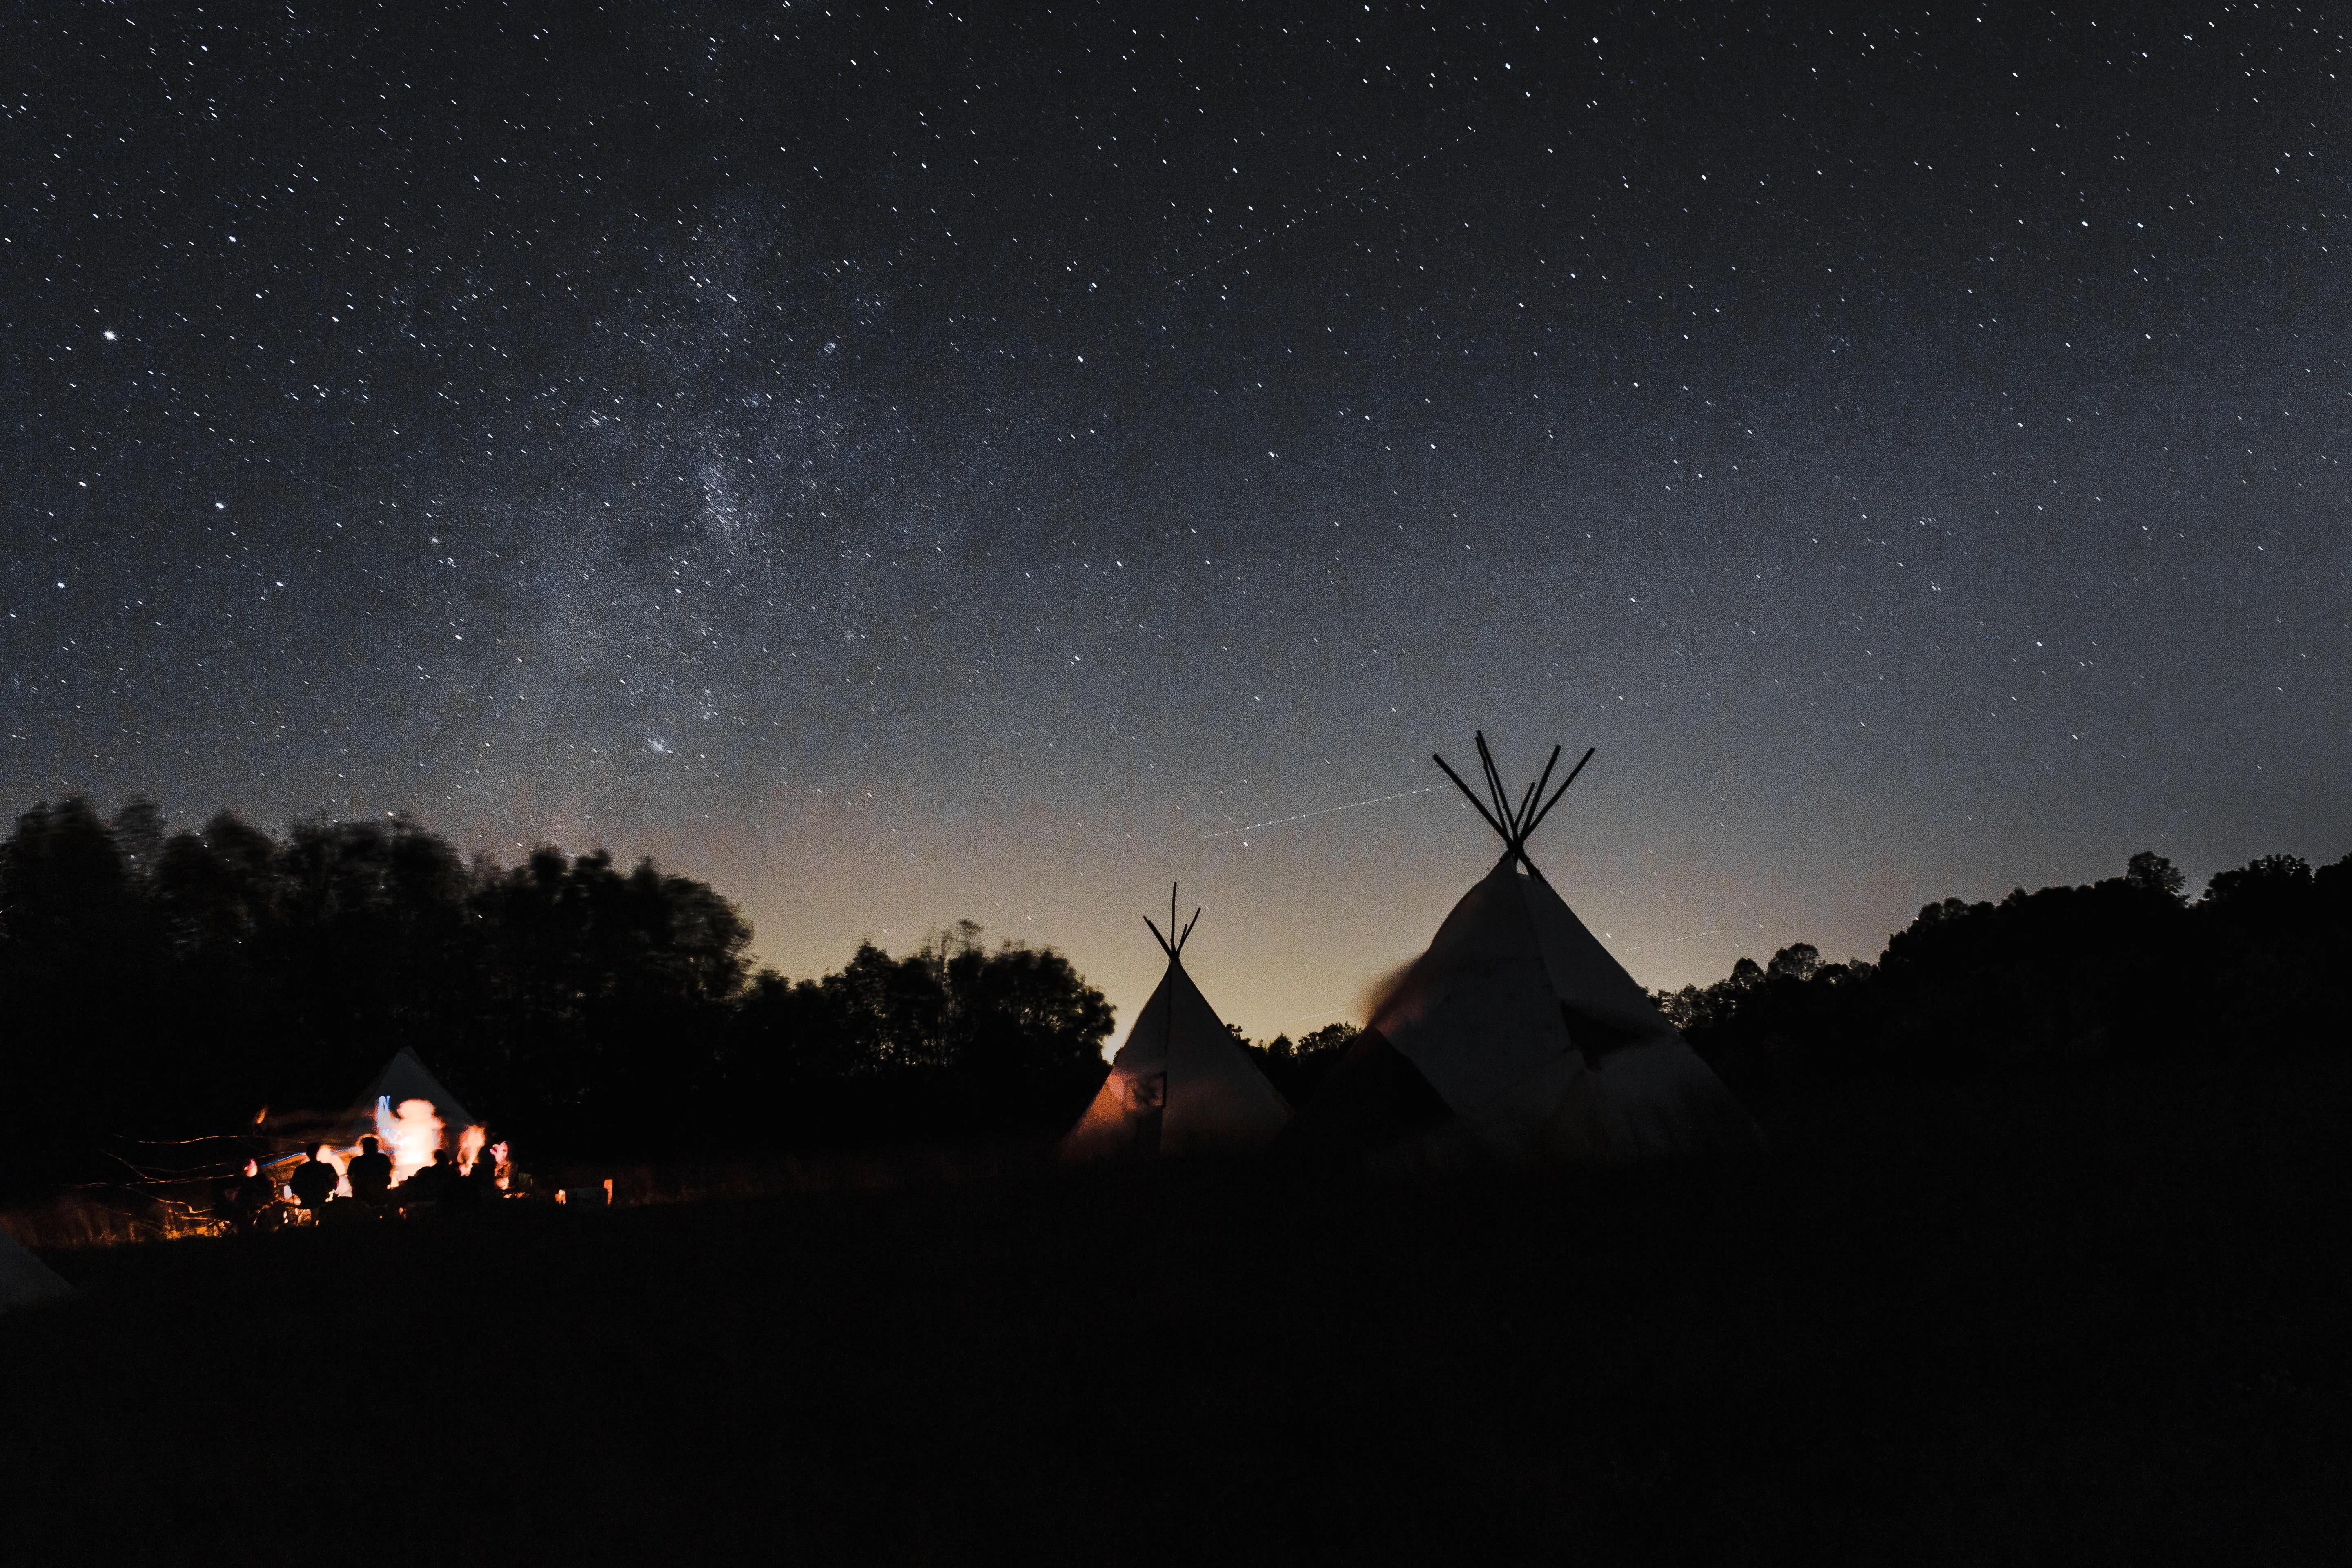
(162, 984)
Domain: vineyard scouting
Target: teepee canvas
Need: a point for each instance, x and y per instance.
(404, 1078)
(1517, 1034)
(24, 1279)
(1180, 1084)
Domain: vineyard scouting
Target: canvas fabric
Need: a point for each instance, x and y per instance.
(1606, 1006)
(1179, 1084)
(404, 1078)
(1476, 1012)
(26, 1280)
(1541, 1043)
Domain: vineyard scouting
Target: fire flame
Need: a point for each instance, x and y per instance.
(409, 1134)
(469, 1147)
(340, 1160)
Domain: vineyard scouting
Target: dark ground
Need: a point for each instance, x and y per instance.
(2094, 1319)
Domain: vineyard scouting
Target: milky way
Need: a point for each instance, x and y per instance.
(911, 463)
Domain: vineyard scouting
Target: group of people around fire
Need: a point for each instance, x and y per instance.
(316, 1183)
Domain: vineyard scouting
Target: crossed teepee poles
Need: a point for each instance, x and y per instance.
(1513, 823)
(1175, 946)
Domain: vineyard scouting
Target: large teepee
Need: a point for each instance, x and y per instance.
(1180, 1084)
(1517, 1035)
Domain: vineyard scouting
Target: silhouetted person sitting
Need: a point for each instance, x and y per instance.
(314, 1181)
(467, 1188)
(255, 1192)
(231, 1195)
(456, 1186)
(432, 1184)
(485, 1178)
(370, 1175)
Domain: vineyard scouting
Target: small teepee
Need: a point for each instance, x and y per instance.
(24, 1279)
(405, 1078)
(1180, 1083)
(1516, 1034)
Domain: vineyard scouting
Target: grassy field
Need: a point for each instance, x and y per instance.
(2094, 1318)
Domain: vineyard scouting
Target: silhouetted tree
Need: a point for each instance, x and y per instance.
(951, 1038)
(1025, 1036)
(2152, 873)
(180, 983)
(1296, 1067)
(2122, 968)
(80, 951)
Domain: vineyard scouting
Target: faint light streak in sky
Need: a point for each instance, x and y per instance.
(1694, 936)
(1667, 942)
(1326, 811)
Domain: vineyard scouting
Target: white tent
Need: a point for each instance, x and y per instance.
(404, 1079)
(24, 1279)
(1180, 1084)
(1538, 1043)
(386, 1110)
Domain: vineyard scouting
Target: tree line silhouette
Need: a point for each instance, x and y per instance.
(2126, 969)
(160, 985)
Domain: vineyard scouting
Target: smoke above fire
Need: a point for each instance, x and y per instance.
(1382, 992)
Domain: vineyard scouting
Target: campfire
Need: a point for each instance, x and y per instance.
(214, 1183)
(411, 1133)
(249, 1181)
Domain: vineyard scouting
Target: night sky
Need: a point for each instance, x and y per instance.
(903, 463)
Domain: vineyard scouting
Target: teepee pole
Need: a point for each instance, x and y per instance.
(1525, 823)
(1541, 779)
(1168, 1032)
(1563, 787)
(1477, 804)
(1183, 936)
(1514, 827)
(1494, 785)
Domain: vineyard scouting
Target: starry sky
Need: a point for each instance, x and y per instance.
(910, 462)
